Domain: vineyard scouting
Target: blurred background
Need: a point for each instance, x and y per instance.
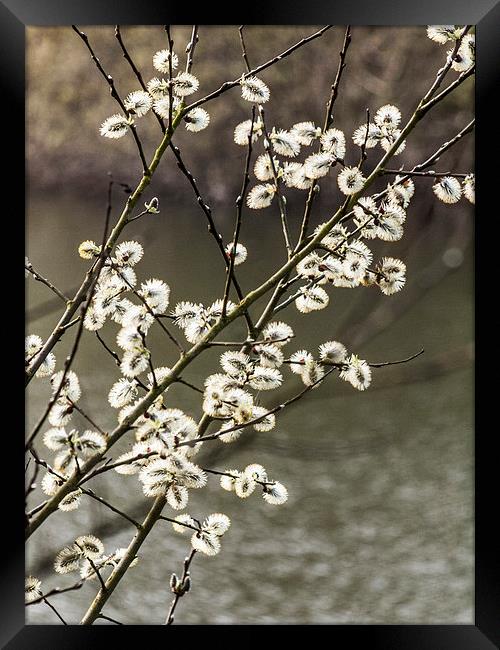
(379, 524)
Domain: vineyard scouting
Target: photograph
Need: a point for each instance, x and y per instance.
(249, 324)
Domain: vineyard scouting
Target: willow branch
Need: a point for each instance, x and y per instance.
(227, 85)
(279, 193)
(56, 592)
(326, 125)
(87, 417)
(54, 610)
(280, 407)
(237, 225)
(149, 310)
(29, 267)
(267, 145)
(182, 590)
(108, 618)
(445, 69)
(244, 304)
(430, 174)
(93, 565)
(129, 59)
(114, 93)
(237, 427)
(96, 497)
(190, 48)
(84, 308)
(109, 586)
(211, 225)
(135, 70)
(120, 225)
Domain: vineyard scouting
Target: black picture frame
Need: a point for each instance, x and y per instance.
(15, 15)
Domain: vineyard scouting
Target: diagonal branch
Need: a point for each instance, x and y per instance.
(227, 85)
(326, 125)
(237, 225)
(239, 310)
(29, 267)
(114, 93)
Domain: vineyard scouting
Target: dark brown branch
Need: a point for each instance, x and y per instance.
(135, 70)
(56, 592)
(93, 565)
(227, 85)
(237, 225)
(83, 310)
(87, 417)
(243, 47)
(54, 610)
(149, 310)
(114, 93)
(293, 399)
(237, 427)
(326, 125)
(110, 466)
(105, 346)
(179, 380)
(211, 225)
(95, 496)
(108, 618)
(129, 59)
(180, 523)
(363, 156)
(279, 193)
(216, 472)
(394, 363)
(170, 93)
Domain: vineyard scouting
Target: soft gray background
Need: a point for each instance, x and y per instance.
(378, 527)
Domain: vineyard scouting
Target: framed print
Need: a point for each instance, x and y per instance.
(252, 282)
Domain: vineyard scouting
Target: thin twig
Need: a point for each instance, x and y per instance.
(326, 125)
(182, 590)
(189, 385)
(190, 48)
(108, 618)
(394, 363)
(279, 194)
(432, 174)
(149, 310)
(120, 225)
(84, 308)
(56, 592)
(135, 70)
(114, 93)
(227, 85)
(170, 93)
(180, 523)
(93, 565)
(54, 610)
(95, 496)
(237, 224)
(108, 467)
(211, 225)
(87, 417)
(29, 267)
(239, 310)
(293, 399)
